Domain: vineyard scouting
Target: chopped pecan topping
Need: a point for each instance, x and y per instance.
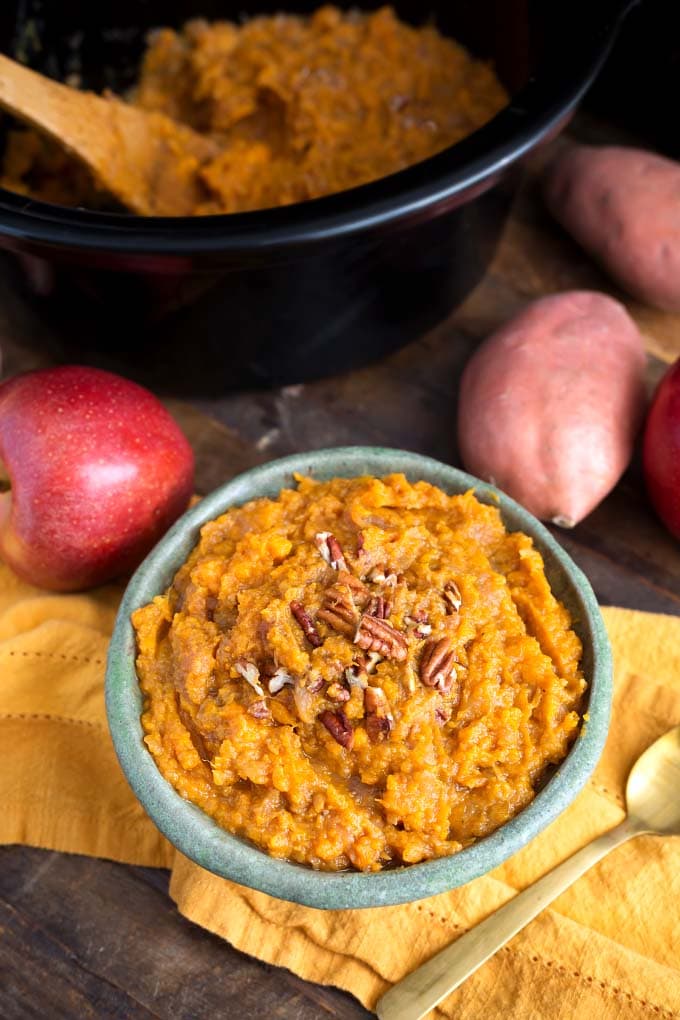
(259, 709)
(306, 622)
(279, 679)
(437, 664)
(360, 544)
(330, 549)
(315, 685)
(379, 575)
(410, 679)
(337, 555)
(452, 597)
(250, 673)
(339, 727)
(375, 635)
(321, 542)
(372, 660)
(337, 692)
(356, 675)
(379, 607)
(420, 624)
(379, 719)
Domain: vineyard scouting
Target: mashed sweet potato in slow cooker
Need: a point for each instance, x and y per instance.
(298, 107)
(359, 673)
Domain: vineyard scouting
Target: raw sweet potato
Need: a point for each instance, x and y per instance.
(623, 206)
(550, 404)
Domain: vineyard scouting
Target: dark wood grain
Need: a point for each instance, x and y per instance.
(84, 938)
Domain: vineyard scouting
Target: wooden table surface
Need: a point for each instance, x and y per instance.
(88, 938)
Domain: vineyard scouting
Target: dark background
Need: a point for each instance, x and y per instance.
(640, 86)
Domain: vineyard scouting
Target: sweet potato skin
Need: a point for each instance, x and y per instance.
(622, 205)
(550, 404)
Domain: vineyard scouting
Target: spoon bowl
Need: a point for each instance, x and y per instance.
(653, 788)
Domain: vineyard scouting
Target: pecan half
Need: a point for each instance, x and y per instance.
(379, 719)
(330, 549)
(259, 709)
(337, 619)
(250, 673)
(452, 597)
(339, 727)
(338, 610)
(337, 692)
(279, 679)
(437, 664)
(306, 622)
(374, 635)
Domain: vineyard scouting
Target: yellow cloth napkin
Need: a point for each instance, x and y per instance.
(608, 948)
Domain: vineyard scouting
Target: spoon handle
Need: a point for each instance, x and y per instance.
(422, 990)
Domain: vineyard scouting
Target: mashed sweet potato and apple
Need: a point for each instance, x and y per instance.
(360, 673)
(297, 107)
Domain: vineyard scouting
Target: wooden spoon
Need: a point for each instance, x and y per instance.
(144, 159)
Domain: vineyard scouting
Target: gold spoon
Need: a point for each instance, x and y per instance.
(653, 799)
(146, 160)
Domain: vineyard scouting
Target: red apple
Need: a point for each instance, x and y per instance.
(661, 450)
(97, 472)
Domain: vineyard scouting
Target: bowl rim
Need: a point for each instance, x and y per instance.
(198, 837)
(537, 111)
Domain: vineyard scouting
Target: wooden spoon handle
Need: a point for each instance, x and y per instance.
(421, 991)
(143, 158)
(44, 103)
(95, 130)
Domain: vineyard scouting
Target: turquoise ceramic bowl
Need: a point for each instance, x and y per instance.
(199, 838)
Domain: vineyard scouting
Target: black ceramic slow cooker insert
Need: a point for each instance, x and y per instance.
(288, 294)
